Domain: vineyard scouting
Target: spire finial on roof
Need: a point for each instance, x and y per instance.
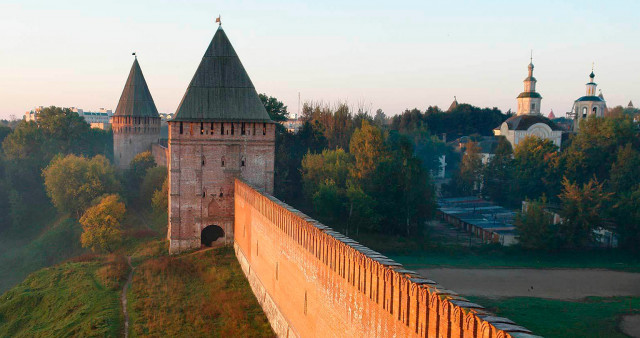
(531, 58)
(219, 20)
(134, 55)
(592, 75)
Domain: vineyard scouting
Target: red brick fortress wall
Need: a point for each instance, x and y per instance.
(313, 282)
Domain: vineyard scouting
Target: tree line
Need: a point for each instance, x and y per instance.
(59, 164)
(592, 182)
(364, 173)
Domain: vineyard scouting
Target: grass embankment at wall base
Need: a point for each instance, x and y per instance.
(591, 317)
(56, 241)
(491, 256)
(71, 299)
(199, 294)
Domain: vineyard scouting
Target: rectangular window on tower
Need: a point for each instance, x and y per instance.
(181, 128)
(242, 129)
(201, 128)
(264, 129)
(222, 128)
(211, 130)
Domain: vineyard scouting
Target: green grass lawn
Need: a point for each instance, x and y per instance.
(62, 301)
(592, 317)
(497, 257)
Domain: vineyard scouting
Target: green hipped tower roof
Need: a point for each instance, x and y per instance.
(136, 99)
(221, 89)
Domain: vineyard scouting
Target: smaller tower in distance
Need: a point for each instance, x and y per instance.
(136, 122)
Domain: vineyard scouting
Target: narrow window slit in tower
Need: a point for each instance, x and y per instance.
(221, 128)
(264, 129)
(201, 128)
(232, 128)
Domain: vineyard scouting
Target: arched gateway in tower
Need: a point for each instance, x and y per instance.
(220, 131)
(136, 123)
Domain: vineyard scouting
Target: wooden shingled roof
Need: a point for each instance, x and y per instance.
(136, 99)
(221, 89)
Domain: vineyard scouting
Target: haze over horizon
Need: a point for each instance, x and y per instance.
(382, 55)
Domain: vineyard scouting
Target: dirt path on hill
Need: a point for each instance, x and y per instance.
(123, 298)
(569, 284)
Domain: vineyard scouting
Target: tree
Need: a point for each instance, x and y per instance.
(593, 149)
(73, 182)
(626, 214)
(138, 168)
(534, 165)
(469, 177)
(152, 182)
(328, 203)
(362, 212)
(625, 173)
(333, 165)
(101, 226)
(498, 174)
(368, 148)
(535, 226)
(160, 199)
(380, 119)
(276, 109)
(4, 131)
(582, 207)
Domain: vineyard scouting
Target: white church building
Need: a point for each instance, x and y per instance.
(528, 120)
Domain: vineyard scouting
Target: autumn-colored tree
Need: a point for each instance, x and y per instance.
(160, 199)
(101, 226)
(361, 211)
(582, 209)
(368, 149)
(468, 179)
(73, 182)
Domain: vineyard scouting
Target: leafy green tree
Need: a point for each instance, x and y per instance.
(4, 131)
(331, 165)
(276, 109)
(582, 209)
(626, 214)
(625, 171)
(498, 174)
(380, 119)
(329, 203)
(428, 148)
(101, 224)
(534, 165)
(362, 212)
(73, 182)
(152, 182)
(535, 226)
(593, 149)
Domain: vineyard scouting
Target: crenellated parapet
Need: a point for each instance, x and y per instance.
(313, 281)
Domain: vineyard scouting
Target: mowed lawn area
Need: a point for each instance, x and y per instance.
(590, 317)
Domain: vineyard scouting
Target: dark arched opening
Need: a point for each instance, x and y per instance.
(210, 234)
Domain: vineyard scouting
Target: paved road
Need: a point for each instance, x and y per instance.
(551, 283)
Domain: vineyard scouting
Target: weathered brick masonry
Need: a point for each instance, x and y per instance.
(313, 282)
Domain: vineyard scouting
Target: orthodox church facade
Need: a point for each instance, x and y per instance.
(588, 105)
(528, 121)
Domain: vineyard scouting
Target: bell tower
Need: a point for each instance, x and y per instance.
(221, 131)
(529, 100)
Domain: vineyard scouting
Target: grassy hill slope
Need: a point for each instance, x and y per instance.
(51, 241)
(198, 294)
(66, 300)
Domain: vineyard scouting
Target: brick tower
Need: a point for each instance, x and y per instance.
(220, 131)
(136, 123)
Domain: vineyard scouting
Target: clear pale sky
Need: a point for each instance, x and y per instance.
(383, 54)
